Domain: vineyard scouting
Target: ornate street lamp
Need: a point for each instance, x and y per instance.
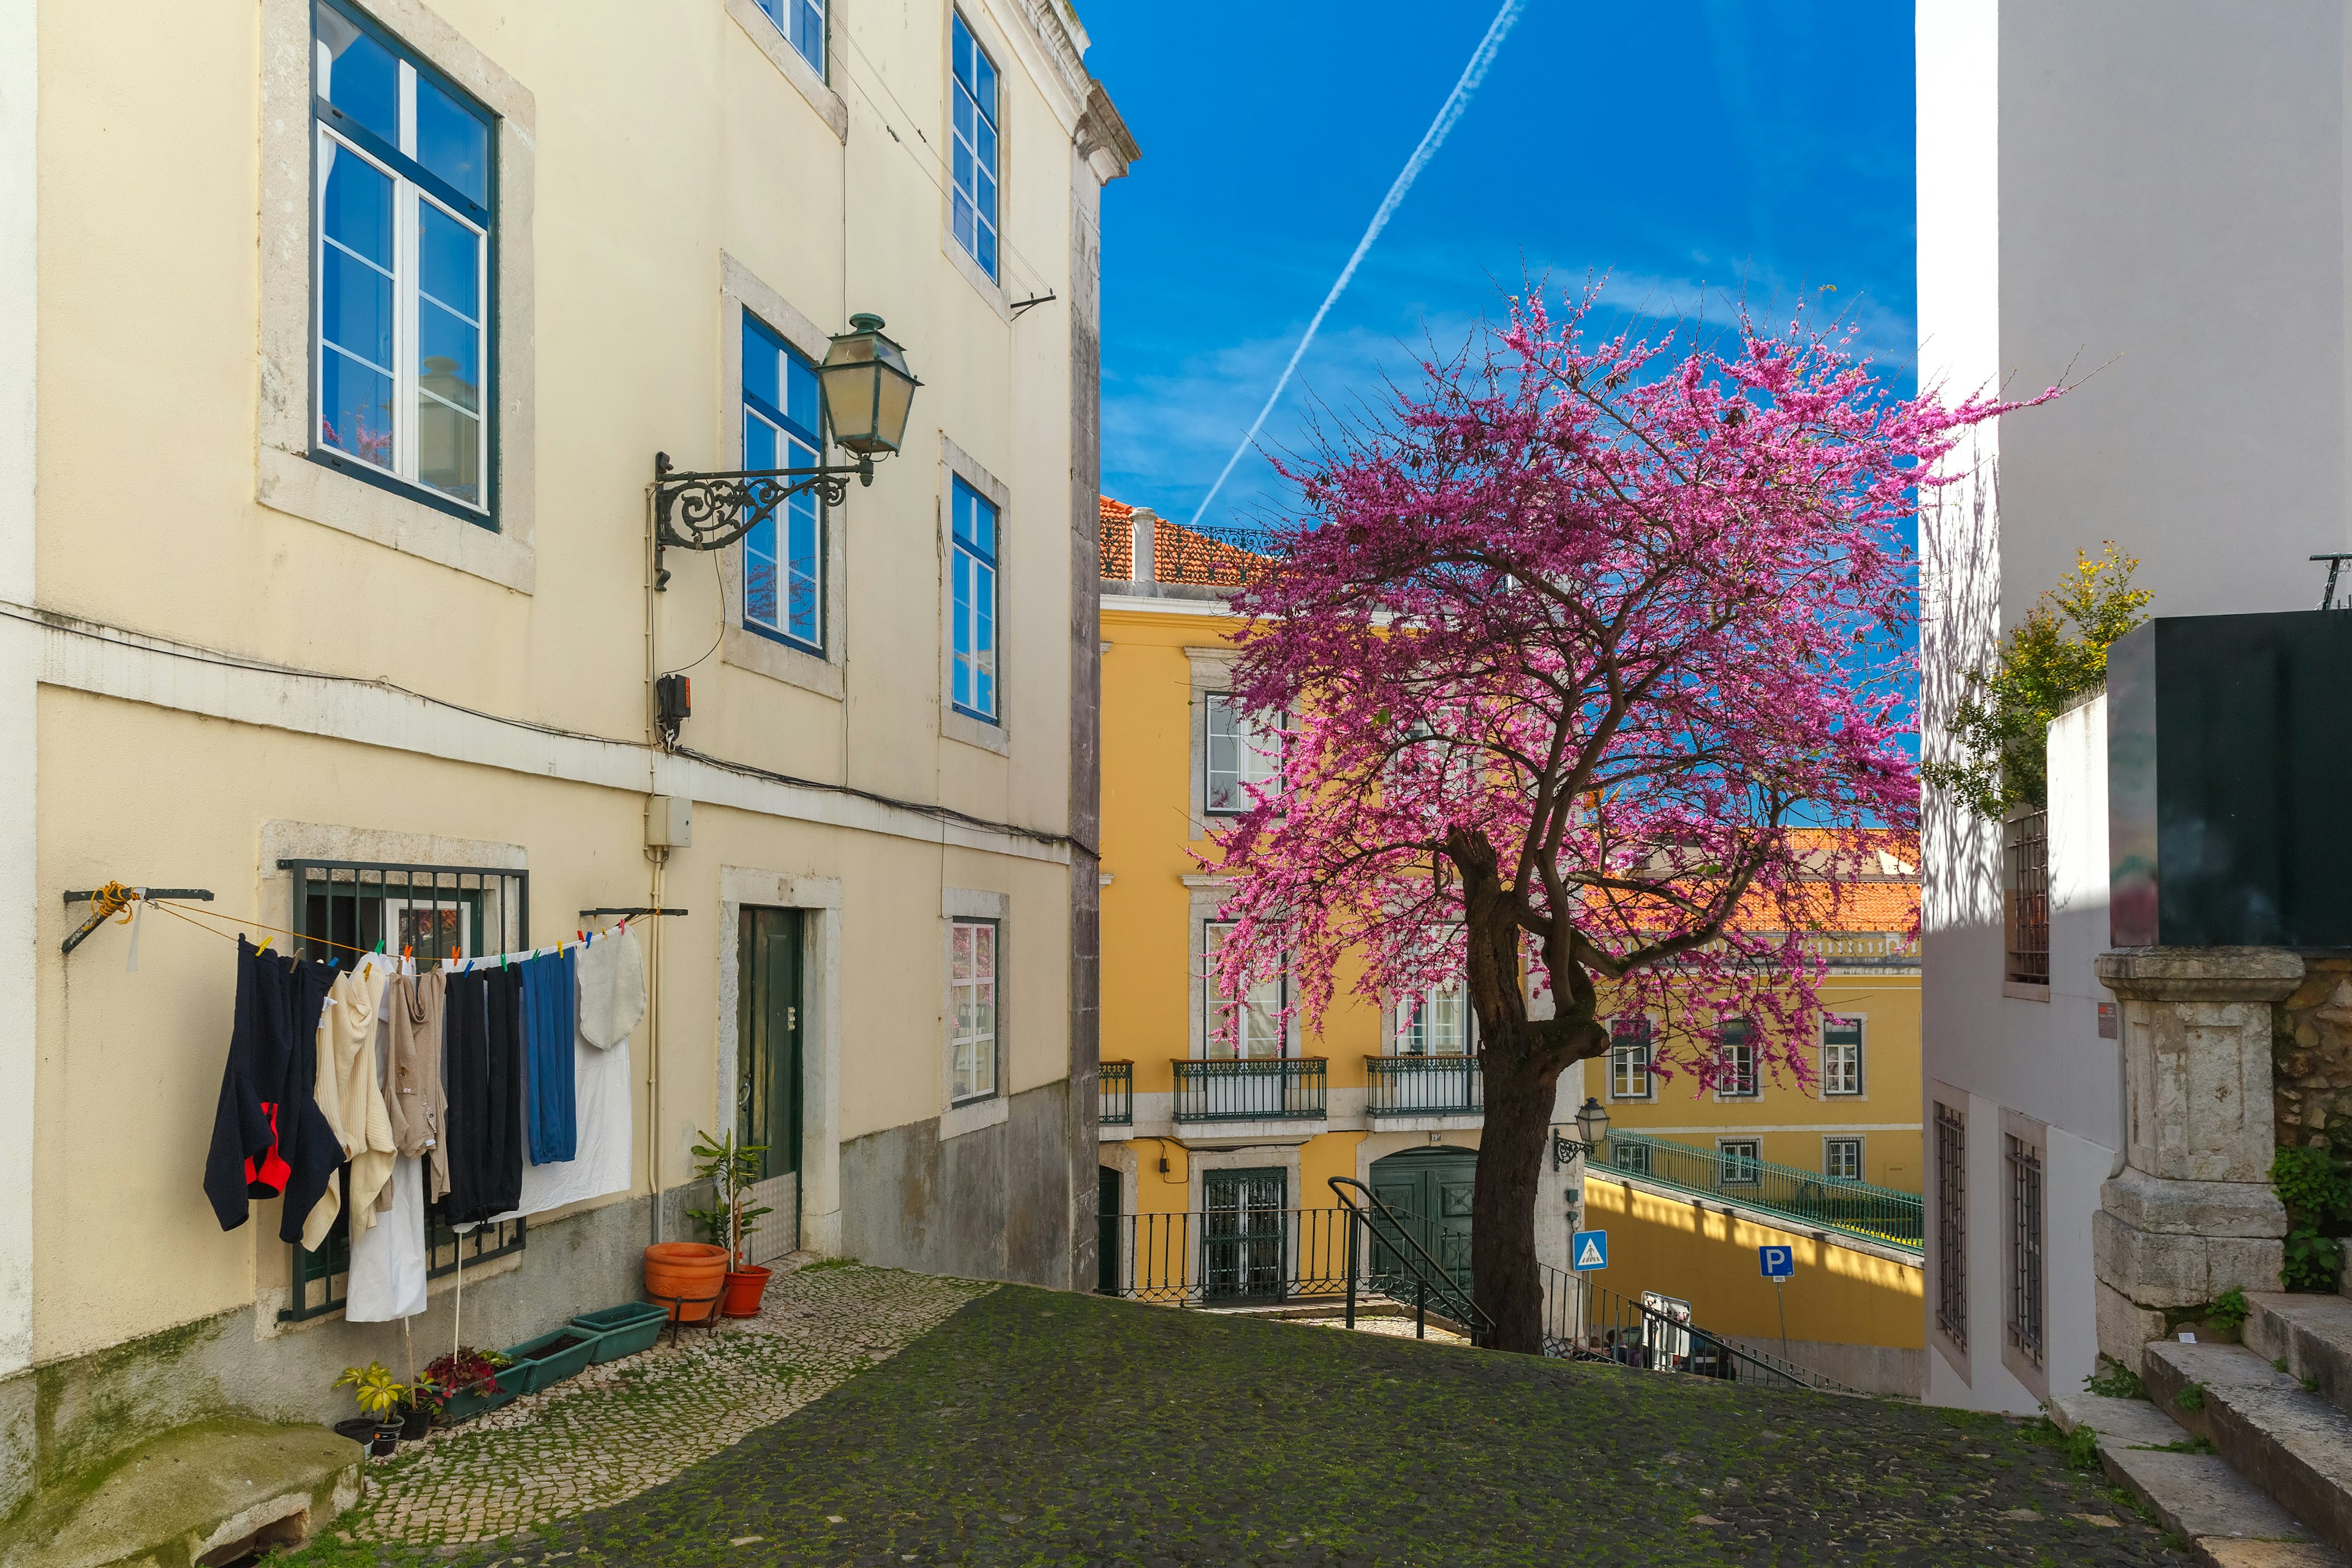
(1592, 1128)
(868, 392)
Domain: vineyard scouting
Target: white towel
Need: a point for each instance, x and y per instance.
(611, 977)
(388, 1261)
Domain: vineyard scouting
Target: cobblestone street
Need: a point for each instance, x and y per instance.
(873, 1417)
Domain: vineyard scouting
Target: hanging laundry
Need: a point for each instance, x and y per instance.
(475, 1112)
(604, 1158)
(505, 1021)
(351, 1098)
(414, 1099)
(548, 1034)
(268, 1135)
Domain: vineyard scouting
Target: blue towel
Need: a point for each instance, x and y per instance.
(548, 1011)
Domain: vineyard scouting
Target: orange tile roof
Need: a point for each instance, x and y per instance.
(1118, 540)
(1178, 553)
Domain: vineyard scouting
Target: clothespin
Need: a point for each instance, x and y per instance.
(453, 955)
(408, 950)
(266, 941)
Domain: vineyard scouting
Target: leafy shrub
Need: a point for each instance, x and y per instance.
(2114, 1380)
(2318, 1197)
(2229, 1311)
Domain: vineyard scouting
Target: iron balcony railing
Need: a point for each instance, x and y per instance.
(1115, 1097)
(1813, 1200)
(1229, 1258)
(1585, 1320)
(1423, 1086)
(1290, 1089)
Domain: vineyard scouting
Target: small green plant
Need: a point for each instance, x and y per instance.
(732, 1169)
(2318, 1197)
(2114, 1380)
(2001, 724)
(378, 1392)
(2081, 1447)
(2310, 1382)
(2229, 1312)
(2190, 1397)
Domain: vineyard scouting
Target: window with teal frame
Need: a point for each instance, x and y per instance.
(974, 605)
(783, 555)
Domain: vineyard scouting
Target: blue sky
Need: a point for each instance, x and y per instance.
(1693, 149)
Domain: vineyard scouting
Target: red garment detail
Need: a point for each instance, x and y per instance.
(266, 1178)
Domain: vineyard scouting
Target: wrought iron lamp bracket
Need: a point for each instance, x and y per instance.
(712, 511)
(1565, 1151)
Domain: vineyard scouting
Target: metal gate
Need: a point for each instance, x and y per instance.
(1244, 1242)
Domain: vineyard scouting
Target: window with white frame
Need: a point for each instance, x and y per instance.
(401, 242)
(1629, 1057)
(783, 554)
(1735, 1074)
(973, 200)
(1743, 1161)
(1841, 1055)
(1842, 1159)
(972, 998)
(1248, 1026)
(1239, 750)
(1634, 1157)
(974, 588)
(1433, 1022)
(802, 22)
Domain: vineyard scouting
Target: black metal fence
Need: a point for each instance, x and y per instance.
(1289, 1088)
(1585, 1320)
(1231, 1256)
(1115, 1096)
(1423, 1086)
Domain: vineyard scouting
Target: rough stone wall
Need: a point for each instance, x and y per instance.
(993, 1204)
(2311, 1059)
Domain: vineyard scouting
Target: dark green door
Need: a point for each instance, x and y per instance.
(1107, 1230)
(1244, 1240)
(768, 1036)
(1432, 1189)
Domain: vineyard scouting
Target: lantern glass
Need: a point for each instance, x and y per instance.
(1592, 1121)
(868, 390)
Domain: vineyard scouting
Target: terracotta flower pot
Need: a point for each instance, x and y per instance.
(744, 1287)
(686, 1277)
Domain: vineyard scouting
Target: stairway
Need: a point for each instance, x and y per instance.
(2244, 1449)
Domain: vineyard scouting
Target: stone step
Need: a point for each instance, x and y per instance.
(2228, 1520)
(2312, 1334)
(2293, 1445)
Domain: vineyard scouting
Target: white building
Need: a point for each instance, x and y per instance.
(2146, 200)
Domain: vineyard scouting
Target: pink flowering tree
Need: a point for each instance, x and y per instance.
(1572, 646)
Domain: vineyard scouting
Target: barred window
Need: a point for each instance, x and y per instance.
(2025, 897)
(1951, 1224)
(1842, 1159)
(2025, 1249)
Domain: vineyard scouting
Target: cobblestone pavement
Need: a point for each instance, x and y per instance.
(1033, 1427)
(616, 1429)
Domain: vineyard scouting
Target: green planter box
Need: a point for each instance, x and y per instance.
(465, 1404)
(622, 1330)
(539, 1364)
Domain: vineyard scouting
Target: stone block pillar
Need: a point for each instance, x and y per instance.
(2192, 1212)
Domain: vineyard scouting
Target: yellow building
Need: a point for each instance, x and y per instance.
(1217, 1160)
(338, 340)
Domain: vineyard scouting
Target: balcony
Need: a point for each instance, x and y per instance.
(1115, 1095)
(1290, 1089)
(1424, 1085)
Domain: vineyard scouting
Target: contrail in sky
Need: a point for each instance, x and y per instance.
(1433, 138)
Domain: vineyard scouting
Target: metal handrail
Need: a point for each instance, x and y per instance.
(1436, 1278)
(1807, 1198)
(1703, 1353)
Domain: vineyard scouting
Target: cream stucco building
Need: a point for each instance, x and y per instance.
(336, 340)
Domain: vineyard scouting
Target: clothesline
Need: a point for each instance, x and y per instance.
(116, 902)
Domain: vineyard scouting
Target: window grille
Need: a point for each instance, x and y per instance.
(441, 912)
(1951, 1224)
(1842, 1159)
(1743, 1161)
(2025, 1244)
(2025, 895)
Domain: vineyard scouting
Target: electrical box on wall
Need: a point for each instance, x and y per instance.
(669, 822)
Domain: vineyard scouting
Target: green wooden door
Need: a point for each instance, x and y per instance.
(768, 1036)
(1431, 1188)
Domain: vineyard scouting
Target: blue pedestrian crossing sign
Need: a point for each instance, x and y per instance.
(1587, 1249)
(1778, 1262)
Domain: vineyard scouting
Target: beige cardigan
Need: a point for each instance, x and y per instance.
(351, 1099)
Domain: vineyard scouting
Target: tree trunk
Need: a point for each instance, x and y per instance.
(1511, 1152)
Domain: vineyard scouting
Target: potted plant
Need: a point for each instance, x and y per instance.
(465, 1384)
(732, 1170)
(381, 1395)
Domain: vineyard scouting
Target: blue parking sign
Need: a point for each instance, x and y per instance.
(1587, 1249)
(1779, 1262)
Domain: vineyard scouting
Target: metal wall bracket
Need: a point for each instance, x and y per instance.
(82, 896)
(712, 511)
